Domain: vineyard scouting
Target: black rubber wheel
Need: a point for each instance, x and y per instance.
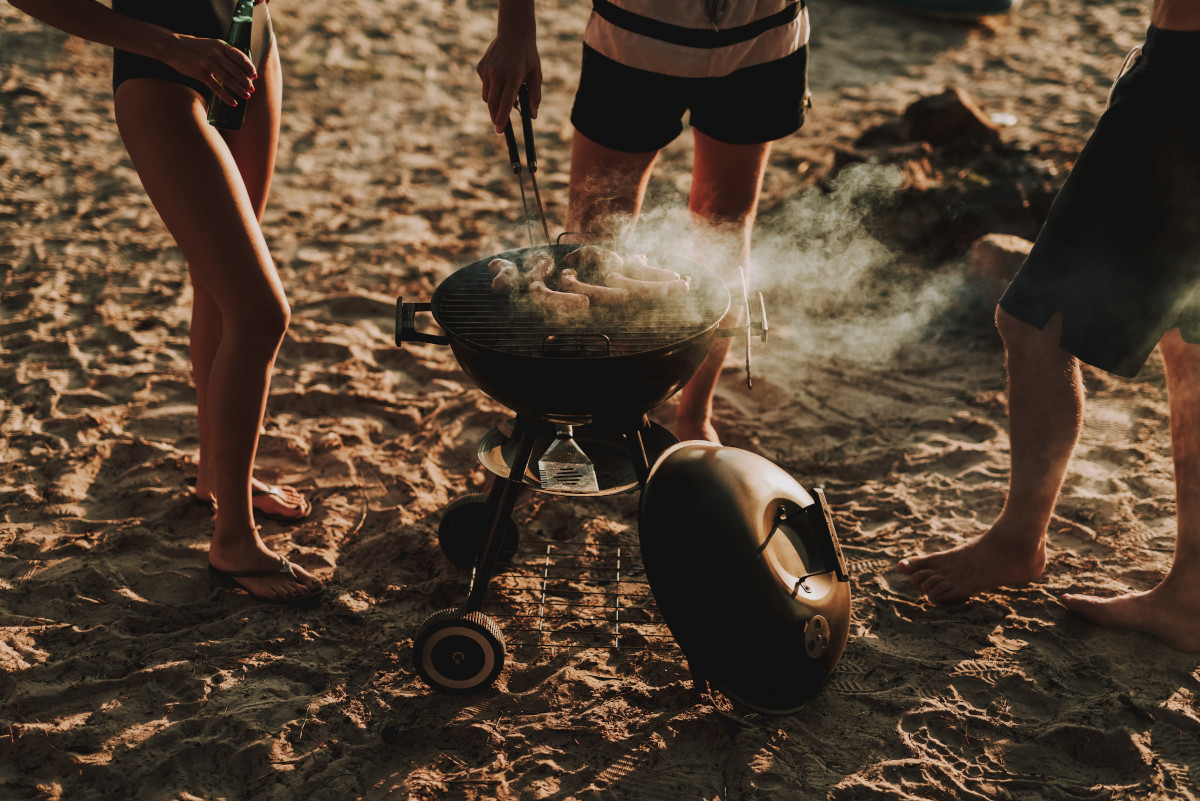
(459, 652)
(464, 529)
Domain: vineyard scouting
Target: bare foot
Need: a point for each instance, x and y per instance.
(248, 554)
(991, 560)
(1161, 612)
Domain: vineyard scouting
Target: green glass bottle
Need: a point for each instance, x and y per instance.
(220, 113)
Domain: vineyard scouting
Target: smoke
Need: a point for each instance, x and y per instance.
(831, 288)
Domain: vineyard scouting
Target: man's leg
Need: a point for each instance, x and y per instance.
(606, 188)
(1170, 611)
(726, 183)
(1045, 414)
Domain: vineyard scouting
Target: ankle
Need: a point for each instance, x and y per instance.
(235, 539)
(1017, 538)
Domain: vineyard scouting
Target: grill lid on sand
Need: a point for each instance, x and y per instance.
(747, 572)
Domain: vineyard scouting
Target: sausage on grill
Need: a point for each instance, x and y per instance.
(657, 290)
(539, 266)
(594, 261)
(557, 302)
(637, 267)
(506, 277)
(568, 281)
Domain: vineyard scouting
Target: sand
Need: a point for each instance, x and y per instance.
(125, 674)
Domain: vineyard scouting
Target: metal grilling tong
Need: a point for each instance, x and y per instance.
(564, 465)
(514, 156)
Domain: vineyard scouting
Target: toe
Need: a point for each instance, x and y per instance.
(932, 582)
(917, 577)
(938, 590)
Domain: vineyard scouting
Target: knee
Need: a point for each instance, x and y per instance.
(1181, 357)
(274, 321)
(1010, 328)
(1018, 334)
(262, 327)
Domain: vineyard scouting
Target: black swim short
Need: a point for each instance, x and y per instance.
(1119, 254)
(191, 17)
(635, 111)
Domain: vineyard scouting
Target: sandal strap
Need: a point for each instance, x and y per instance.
(285, 569)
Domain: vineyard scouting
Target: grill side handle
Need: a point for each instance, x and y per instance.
(406, 324)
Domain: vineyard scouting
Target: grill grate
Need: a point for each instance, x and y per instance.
(466, 305)
(554, 594)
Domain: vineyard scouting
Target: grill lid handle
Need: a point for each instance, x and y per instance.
(406, 325)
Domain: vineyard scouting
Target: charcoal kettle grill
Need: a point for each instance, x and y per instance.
(590, 380)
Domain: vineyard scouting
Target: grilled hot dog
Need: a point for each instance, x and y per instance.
(557, 302)
(568, 281)
(592, 260)
(506, 277)
(647, 289)
(637, 267)
(539, 266)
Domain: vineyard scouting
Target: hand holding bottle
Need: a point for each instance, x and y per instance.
(224, 115)
(224, 69)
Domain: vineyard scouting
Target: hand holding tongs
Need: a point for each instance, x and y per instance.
(531, 161)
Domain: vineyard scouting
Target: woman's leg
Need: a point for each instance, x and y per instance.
(195, 184)
(253, 148)
(726, 184)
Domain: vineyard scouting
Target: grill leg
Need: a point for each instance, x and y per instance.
(637, 452)
(500, 503)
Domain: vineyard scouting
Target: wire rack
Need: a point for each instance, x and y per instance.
(553, 594)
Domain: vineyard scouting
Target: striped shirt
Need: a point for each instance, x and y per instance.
(696, 38)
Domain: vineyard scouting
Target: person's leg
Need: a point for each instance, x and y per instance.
(253, 148)
(194, 183)
(1170, 610)
(726, 183)
(1045, 414)
(606, 188)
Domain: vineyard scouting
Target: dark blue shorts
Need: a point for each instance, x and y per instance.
(635, 111)
(1119, 254)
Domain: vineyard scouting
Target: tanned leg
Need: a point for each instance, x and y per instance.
(1045, 414)
(195, 184)
(1171, 610)
(726, 184)
(253, 148)
(607, 188)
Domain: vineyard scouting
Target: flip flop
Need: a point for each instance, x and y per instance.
(228, 579)
(270, 490)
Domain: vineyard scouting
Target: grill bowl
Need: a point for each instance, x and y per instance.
(605, 365)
